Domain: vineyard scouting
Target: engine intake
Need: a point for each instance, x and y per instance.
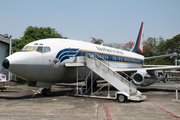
(138, 78)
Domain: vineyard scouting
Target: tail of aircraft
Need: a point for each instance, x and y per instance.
(136, 48)
(2, 76)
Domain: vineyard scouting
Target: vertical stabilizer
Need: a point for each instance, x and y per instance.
(136, 48)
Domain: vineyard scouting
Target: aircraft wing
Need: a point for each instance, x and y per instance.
(147, 69)
(169, 79)
(174, 73)
(153, 57)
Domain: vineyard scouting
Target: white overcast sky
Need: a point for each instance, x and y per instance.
(110, 20)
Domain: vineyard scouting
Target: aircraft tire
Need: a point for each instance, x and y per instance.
(46, 92)
(167, 80)
(121, 98)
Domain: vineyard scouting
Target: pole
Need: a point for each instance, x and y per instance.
(10, 49)
(176, 61)
(91, 83)
(10, 45)
(176, 94)
(77, 81)
(108, 91)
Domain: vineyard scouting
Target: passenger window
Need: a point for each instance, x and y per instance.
(47, 49)
(39, 49)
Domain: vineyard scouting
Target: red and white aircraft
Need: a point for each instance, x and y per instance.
(5, 83)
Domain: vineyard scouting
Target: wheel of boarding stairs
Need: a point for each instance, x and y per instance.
(121, 98)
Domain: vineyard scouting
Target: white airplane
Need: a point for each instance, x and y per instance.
(5, 83)
(167, 76)
(173, 73)
(42, 62)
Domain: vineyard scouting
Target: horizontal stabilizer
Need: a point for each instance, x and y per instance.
(153, 57)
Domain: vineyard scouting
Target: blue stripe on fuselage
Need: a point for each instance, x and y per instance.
(66, 50)
(67, 53)
(112, 58)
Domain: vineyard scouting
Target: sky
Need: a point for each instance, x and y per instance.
(113, 21)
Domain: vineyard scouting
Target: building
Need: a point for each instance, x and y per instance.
(4, 50)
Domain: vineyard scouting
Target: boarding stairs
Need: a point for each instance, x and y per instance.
(105, 70)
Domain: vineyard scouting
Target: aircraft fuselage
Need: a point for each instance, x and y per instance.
(44, 60)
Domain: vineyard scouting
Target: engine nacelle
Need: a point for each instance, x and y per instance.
(144, 78)
(138, 78)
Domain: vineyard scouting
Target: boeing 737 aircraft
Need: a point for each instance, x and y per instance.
(42, 62)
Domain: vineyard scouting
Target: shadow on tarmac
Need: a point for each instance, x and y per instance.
(60, 92)
(155, 89)
(16, 98)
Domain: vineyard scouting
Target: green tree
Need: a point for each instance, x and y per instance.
(149, 47)
(161, 47)
(156, 47)
(173, 45)
(96, 41)
(34, 33)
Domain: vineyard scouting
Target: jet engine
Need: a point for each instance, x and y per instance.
(144, 78)
(138, 78)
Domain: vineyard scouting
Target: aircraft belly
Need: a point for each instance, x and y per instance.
(148, 82)
(53, 75)
(69, 76)
(34, 72)
(59, 75)
(45, 73)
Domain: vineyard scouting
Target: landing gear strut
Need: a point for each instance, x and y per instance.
(46, 91)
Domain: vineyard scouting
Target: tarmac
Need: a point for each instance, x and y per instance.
(26, 103)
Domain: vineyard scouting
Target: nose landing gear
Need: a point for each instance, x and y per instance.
(46, 92)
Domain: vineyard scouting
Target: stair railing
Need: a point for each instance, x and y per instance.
(108, 66)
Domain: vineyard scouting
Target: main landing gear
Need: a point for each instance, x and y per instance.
(46, 92)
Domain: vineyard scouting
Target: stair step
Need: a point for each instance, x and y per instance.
(133, 93)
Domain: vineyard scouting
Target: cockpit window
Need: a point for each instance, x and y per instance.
(39, 49)
(47, 49)
(29, 48)
(43, 49)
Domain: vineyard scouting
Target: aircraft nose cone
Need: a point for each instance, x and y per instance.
(6, 63)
